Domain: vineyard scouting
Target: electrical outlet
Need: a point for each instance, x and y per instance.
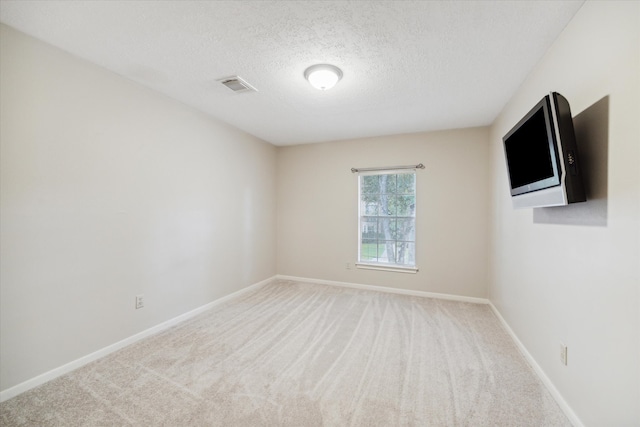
(563, 353)
(348, 266)
(139, 301)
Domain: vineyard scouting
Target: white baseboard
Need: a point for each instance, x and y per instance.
(64, 369)
(387, 289)
(538, 370)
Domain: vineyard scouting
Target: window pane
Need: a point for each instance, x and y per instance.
(387, 184)
(369, 228)
(386, 228)
(406, 253)
(406, 183)
(369, 205)
(369, 250)
(406, 205)
(370, 184)
(386, 252)
(405, 229)
(387, 204)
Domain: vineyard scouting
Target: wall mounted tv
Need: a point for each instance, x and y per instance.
(542, 157)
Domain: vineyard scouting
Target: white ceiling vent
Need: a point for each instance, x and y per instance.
(237, 84)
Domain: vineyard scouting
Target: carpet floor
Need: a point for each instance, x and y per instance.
(299, 354)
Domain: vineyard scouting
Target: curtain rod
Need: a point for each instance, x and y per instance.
(387, 168)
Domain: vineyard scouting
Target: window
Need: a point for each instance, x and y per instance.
(387, 220)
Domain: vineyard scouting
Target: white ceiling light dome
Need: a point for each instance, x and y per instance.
(323, 76)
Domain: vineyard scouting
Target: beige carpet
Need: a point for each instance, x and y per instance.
(296, 354)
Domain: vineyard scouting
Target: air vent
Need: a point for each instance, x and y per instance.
(238, 85)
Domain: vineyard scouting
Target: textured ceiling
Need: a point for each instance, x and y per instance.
(409, 66)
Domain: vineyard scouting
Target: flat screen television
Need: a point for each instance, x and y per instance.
(542, 156)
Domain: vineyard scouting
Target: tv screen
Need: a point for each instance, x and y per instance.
(530, 150)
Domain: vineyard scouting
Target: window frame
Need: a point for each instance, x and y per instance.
(360, 264)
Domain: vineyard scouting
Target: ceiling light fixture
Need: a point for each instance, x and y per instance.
(323, 76)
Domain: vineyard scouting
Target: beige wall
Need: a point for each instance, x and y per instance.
(566, 275)
(109, 190)
(318, 209)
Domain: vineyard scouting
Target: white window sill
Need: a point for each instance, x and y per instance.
(393, 268)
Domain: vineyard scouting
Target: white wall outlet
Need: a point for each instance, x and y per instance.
(563, 353)
(348, 266)
(139, 301)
